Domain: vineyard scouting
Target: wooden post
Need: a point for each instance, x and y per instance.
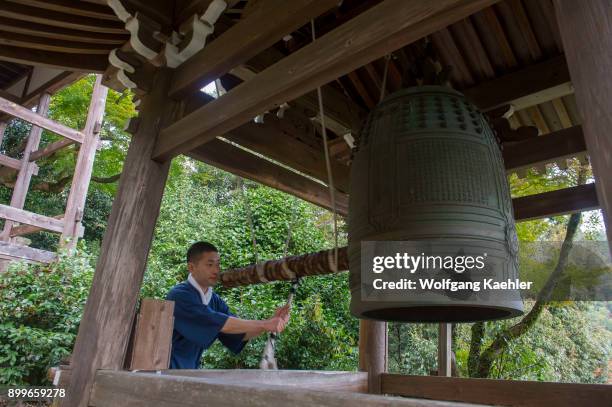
(3, 125)
(84, 166)
(22, 184)
(373, 352)
(586, 32)
(106, 324)
(444, 349)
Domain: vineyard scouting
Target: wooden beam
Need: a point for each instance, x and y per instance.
(445, 352)
(340, 110)
(30, 218)
(544, 149)
(51, 86)
(286, 269)
(527, 87)
(29, 229)
(75, 204)
(244, 40)
(10, 162)
(47, 44)
(9, 96)
(3, 125)
(553, 203)
(50, 149)
(247, 165)
(586, 31)
(19, 252)
(29, 116)
(121, 389)
(60, 19)
(354, 382)
(78, 8)
(497, 392)
(367, 37)
(27, 168)
(276, 139)
(60, 33)
(373, 352)
(106, 325)
(57, 60)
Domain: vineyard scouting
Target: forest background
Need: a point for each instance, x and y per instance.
(41, 305)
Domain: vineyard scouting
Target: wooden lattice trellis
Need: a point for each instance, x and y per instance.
(20, 222)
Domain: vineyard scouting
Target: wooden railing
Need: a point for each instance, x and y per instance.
(497, 392)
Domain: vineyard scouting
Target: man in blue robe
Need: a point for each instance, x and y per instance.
(201, 316)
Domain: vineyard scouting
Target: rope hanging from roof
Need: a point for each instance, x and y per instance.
(330, 178)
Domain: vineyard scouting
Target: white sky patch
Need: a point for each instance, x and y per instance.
(210, 89)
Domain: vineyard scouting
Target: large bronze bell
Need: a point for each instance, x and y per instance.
(428, 168)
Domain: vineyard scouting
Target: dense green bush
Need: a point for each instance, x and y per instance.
(40, 310)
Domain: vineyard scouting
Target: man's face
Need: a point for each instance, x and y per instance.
(206, 269)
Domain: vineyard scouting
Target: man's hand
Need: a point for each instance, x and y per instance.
(283, 312)
(275, 324)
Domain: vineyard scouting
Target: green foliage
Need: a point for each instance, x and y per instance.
(569, 343)
(40, 310)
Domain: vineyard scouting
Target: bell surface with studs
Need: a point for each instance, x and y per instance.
(428, 168)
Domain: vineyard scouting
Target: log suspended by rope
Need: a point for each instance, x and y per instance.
(287, 269)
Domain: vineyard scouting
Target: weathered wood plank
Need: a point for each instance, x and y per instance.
(47, 44)
(281, 140)
(50, 149)
(153, 335)
(23, 113)
(60, 19)
(553, 203)
(244, 40)
(106, 325)
(19, 252)
(367, 37)
(28, 229)
(10, 162)
(27, 168)
(51, 86)
(318, 380)
(237, 161)
(550, 147)
(527, 87)
(78, 8)
(60, 33)
(3, 125)
(57, 60)
(586, 31)
(30, 218)
(75, 205)
(340, 110)
(498, 392)
(120, 389)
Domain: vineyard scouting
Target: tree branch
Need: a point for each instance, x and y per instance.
(501, 341)
(106, 180)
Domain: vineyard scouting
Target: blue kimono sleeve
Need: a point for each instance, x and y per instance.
(196, 322)
(234, 342)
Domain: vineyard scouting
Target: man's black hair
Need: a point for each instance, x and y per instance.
(197, 249)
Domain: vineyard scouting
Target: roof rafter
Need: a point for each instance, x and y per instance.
(367, 37)
(260, 30)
